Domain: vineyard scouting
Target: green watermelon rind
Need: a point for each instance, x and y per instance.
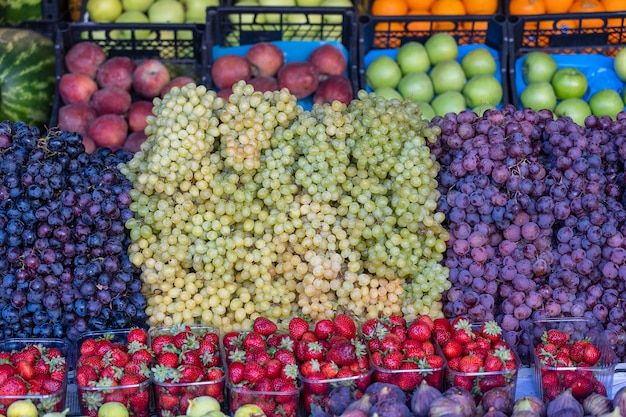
(18, 11)
(27, 76)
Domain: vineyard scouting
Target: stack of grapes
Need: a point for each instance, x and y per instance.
(534, 215)
(63, 243)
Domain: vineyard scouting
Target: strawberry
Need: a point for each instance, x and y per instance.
(342, 353)
(137, 335)
(264, 326)
(285, 356)
(88, 347)
(374, 328)
(253, 372)
(142, 355)
(313, 350)
(549, 378)
(598, 387)
(190, 373)
(393, 360)
(493, 364)
(550, 392)
(273, 367)
(190, 357)
(160, 341)
(489, 382)
(491, 330)
(14, 386)
(253, 340)
(6, 370)
(463, 381)
(470, 363)
(345, 326)
(434, 361)
(407, 380)
(390, 342)
(577, 350)
(329, 369)
(51, 386)
(452, 349)
(591, 354)
(298, 327)
(169, 359)
(581, 388)
(140, 401)
(25, 370)
(324, 329)
(117, 357)
(236, 372)
(85, 375)
(442, 336)
(555, 337)
(419, 330)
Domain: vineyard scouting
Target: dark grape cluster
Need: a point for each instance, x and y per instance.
(536, 218)
(63, 242)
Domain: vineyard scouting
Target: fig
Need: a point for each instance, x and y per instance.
(354, 413)
(492, 412)
(328, 59)
(463, 398)
(525, 413)
(363, 404)
(318, 411)
(565, 400)
(381, 391)
(619, 399)
(335, 87)
(390, 408)
(530, 404)
(615, 413)
(499, 398)
(338, 399)
(299, 77)
(422, 397)
(566, 412)
(596, 404)
(445, 406)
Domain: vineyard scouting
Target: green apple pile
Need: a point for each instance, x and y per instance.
(149, 11)
(563, 90)
(432, 75)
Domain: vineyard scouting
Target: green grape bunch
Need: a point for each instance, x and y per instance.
(253, 206)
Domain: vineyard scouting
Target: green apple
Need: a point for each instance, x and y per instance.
(389, 93)
(383, 71)
(619, 64)
(104, 11)
(576, 108)
(483, 89)
(308, 3)
(569, 83)
(440, 47)
(131, 17)
(426, 109)
(480, 110)
(606, 103)
(241, 21)
(448, 102)
(57, 413)
(195, 10)
(22, 408)
(412, 56)
(302, 27)
(539, 95)
(448, 75)
(417, 86)
(274, 18)
(538, 66)
(166, 11)
(112, 409)
(199, 406)
(136, 5)
(336, 19)
(478, 61)
(249, 410)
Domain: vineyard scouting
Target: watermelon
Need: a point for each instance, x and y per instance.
(27, 76)
(18, 11)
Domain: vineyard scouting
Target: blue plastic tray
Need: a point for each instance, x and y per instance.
(463, 50)
(294, 51)
(597, 68)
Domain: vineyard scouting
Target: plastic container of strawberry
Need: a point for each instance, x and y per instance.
(172, 398)
(598, 378)
(318, 391)
(45, 403)
(479, 383)
(136, 397)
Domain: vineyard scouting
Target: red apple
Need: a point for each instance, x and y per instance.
(264, 84)
(335, 87)
(108, 130)
(179, 81)
(134, 140)
(300, 77)
(76, 88)
(228, 69)
(116, 72)
(225, 93)
(137, 115)
(111, 100)
(150, 77)
(328, 60)
(85, 58)
(76, 117)
(265, 59)
(89, 144)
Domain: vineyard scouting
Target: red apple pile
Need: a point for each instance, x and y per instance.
(263, 66)
(107, 99)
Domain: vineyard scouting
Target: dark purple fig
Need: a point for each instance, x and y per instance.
(566, 412)
(525, 413)
(355, 412)
(615, 413)
(363, 404)
(492, 412)
(500, 399)
(564, 401)
(380, 391)
(318, 411)
(597, 404)
(619, 399)
(463, 398)
(338, 399)
(445, 406)
(422, 397)
(530, 404)
(390, 408)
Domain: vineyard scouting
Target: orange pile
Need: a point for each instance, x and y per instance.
(540, 7)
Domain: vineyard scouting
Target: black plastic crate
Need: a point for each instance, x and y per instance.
(235, 26)
(180, 47)
(52, 11)
(377, 32)
(500, 9)
(83, 16)
(591, 34)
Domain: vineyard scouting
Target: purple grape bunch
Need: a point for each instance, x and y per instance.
(63, 242)
(536, 218)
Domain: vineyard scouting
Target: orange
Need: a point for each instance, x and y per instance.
(447, 7)
(558, 6)
(419, 25)
(480, 6)
(614, 5)
(588, 6)
(389, 8)
(419, 4)
(386, 35)
(561, 26)
(522, 7)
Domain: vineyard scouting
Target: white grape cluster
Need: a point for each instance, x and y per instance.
(252, 206)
